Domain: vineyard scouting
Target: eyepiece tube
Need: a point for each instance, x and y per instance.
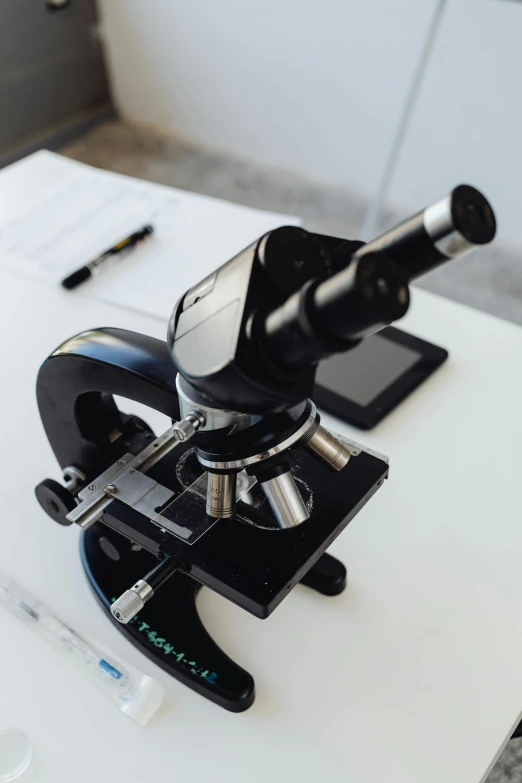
(332, 315)
(447, 229)
(329, 316)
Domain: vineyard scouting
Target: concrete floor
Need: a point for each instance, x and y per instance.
(490, 280)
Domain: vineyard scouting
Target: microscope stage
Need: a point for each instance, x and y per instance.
(246, 558)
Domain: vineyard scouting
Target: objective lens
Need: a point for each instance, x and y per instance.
(221, 495)
(285, 500)
(327, 449)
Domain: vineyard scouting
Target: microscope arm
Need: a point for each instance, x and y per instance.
(75, 389)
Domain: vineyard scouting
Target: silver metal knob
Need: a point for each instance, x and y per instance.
(73, 478)
(187, 427)
(131, 602)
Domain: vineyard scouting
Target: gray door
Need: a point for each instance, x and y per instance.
(52, 75)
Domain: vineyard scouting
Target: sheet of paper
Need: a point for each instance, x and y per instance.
(84, 211)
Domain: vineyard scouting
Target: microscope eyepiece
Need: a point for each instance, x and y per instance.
(331, 315)
(449, 228)
(460, 221)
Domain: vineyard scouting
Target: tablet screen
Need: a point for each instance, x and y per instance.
(364, 372)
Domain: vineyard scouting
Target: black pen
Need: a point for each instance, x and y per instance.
(82, 274)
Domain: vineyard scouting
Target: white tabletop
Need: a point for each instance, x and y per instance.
(413, 674)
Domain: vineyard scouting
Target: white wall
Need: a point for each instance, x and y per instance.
(314, 86)
(317, 86)
(467, 126)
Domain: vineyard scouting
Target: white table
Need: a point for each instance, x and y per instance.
(413, 674)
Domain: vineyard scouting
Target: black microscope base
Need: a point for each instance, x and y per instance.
(176, 639)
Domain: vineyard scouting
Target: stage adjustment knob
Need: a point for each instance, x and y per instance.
(132, 601)
(55, 500)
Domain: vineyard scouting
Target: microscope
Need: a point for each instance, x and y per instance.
(246, 490)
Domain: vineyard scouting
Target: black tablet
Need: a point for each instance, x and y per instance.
(363, 385)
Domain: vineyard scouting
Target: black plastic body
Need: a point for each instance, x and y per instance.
(168, 630)
(330, 316)
(213, 336)
(244, 558)
(55, 500)
(365, 417)
(249, 336)
(75, 389)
